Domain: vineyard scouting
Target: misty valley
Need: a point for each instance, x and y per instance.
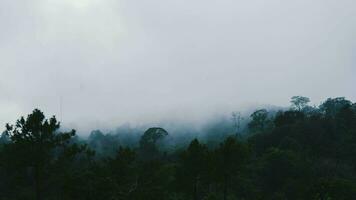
(290, 153)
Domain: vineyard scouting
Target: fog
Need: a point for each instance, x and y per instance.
(104, 63)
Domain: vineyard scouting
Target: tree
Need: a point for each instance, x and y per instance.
(333, 105)
(288, 118)
(194, 161)
(104, 145)
(259, 120)
(231, 155)
(148, 149)
(33, 142)
(299, 102)
(123, 172)
(281, 173)
(236, 118)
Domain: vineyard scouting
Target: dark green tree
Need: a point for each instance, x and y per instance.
(33, 142)
(194, 168)
(148, 142)
(259, 120)
(231, 156)
(282, 175)
(333, 105)
(105, 145)
(299, 102)
(288, 118)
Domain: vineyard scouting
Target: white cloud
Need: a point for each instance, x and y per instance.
(116, 61)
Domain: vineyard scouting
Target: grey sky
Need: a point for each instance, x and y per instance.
(116, 61)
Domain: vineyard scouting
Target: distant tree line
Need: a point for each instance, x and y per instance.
(304, 152)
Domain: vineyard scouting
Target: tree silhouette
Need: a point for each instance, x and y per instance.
(299, 102)
(305, 154)
(333, 105)
(34, 139)
(231, 155)
(194, 161)
(259, 120)
(148, 148)
(288, 118)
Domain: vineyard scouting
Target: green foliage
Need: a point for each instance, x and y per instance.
(193, 169)
(231, 156)
(299, 102)
(333, 188)
(333, 105)
(37, 145)
(148, 148)
(288, 118)
(104, 145)
(259, 121)
(295, 154)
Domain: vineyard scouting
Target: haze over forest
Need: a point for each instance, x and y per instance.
(177, 100)
(143, 62)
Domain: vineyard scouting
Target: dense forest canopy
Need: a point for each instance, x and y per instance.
(303, 152)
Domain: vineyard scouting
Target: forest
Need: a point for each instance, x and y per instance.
(295, 153)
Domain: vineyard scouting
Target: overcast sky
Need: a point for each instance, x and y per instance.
(117, 61)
